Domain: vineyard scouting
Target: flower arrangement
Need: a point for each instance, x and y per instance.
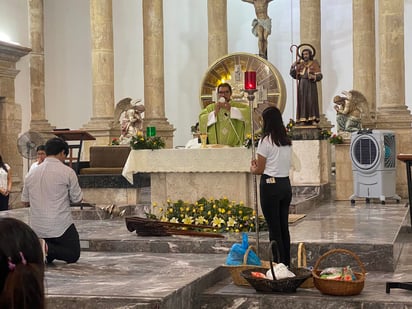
(248, 140)
(336, 139)
(289, 127)
(325, 134)
(115, 141)
(221, 214)
(140, 141)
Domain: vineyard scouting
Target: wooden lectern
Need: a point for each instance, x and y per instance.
(72, 136)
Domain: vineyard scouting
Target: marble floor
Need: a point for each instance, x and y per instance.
(118, 269)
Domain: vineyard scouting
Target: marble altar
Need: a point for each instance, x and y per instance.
(190, 174)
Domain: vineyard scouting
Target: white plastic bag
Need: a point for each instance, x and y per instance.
(281, 272)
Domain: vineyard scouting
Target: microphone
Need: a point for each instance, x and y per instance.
(233, 127)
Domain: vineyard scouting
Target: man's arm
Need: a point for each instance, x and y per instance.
(75, 192)
(205, 117)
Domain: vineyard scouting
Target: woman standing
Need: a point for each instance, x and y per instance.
(273, 161)
(5, 185)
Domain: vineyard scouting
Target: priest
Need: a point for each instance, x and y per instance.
(225, 122)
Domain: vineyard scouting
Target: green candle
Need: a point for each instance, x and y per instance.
(150, 131)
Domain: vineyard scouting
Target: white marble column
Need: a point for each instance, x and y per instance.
(217, 29)
(101, 22)
(392, 112)
(153, 54)
(364, 59)
(391, 61)
(38, 121)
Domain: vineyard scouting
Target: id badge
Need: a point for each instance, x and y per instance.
(271, 180)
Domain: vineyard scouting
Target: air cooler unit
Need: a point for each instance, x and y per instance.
(373, 155)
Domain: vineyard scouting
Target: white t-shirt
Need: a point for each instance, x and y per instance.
(33, 166)
(278, 159)
(3, 177)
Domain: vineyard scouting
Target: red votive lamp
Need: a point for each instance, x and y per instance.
(250, 80)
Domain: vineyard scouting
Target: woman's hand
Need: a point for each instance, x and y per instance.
(253, 166)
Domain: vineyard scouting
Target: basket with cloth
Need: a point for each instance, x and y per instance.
(276, 278)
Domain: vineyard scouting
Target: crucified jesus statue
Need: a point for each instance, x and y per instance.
(261, 25)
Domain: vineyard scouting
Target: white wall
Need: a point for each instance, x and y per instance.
(68, 59)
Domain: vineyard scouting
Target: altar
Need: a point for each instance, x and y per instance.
(190, 174)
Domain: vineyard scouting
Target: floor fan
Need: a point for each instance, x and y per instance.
(27, 145)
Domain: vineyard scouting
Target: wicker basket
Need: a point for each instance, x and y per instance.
(287, 285)
(235, 270)
(337, 287)
(308, 283)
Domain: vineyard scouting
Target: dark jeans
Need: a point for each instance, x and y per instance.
(65, 247)
(275, 199)
(4, 202)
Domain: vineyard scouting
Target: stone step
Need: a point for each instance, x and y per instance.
(377, 249)
(227, 295)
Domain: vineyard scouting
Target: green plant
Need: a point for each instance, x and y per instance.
(140, 141)
(221, 214)
(325, 134)
(248, 140)
(115, 141)
(336, 139)
(289, 127)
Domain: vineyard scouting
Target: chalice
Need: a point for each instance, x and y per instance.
(203, 139)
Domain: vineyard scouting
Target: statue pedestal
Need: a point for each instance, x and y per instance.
(311, 162)
(344, 175)
(302, 132)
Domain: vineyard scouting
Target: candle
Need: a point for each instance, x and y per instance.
(250, 80)
(150, 131)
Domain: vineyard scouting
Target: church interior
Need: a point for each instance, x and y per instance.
(65, 66)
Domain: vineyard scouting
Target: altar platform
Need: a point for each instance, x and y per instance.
(118, 269)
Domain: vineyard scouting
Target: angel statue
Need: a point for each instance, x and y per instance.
(349, 109)
(129, 113)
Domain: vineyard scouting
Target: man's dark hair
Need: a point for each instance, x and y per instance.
(225, 85)
(56, 145)
(41, 148)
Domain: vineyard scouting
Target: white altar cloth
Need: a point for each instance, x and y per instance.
(216, 160)
(190, 174)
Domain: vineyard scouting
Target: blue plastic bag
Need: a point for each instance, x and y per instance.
(237, 252)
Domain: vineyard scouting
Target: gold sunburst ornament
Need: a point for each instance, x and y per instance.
(230, 68)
